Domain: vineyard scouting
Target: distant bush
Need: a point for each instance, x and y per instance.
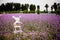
(38, 12)
(58, 11)
(43, 12)
(31, 11)
(25, 11)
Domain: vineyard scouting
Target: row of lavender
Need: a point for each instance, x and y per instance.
(35, 27)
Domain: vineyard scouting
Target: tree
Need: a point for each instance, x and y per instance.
(55, 6)
(52, 8)
(17, 6)
(2, 7)
(32, 8)
(8, 6)
(46, 6)
(38, 7)
(22, 7)
(58, 8)
(25, 6)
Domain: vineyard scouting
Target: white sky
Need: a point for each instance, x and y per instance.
(41, 3)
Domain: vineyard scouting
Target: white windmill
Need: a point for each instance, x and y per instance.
(17, 24)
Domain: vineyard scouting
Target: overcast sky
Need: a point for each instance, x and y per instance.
(36, 2)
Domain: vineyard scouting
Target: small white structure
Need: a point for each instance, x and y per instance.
(17, 24)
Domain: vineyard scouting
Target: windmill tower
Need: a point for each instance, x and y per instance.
(17, 24)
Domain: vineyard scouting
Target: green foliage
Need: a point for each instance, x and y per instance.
(32, 7)
(16, 6)
(32, 28)
(23, 8)
(25, 11)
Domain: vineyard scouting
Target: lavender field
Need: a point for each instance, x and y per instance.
(34, 26)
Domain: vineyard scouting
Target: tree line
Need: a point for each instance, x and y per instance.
(17, 6)
(56, 7)
(24, 7)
